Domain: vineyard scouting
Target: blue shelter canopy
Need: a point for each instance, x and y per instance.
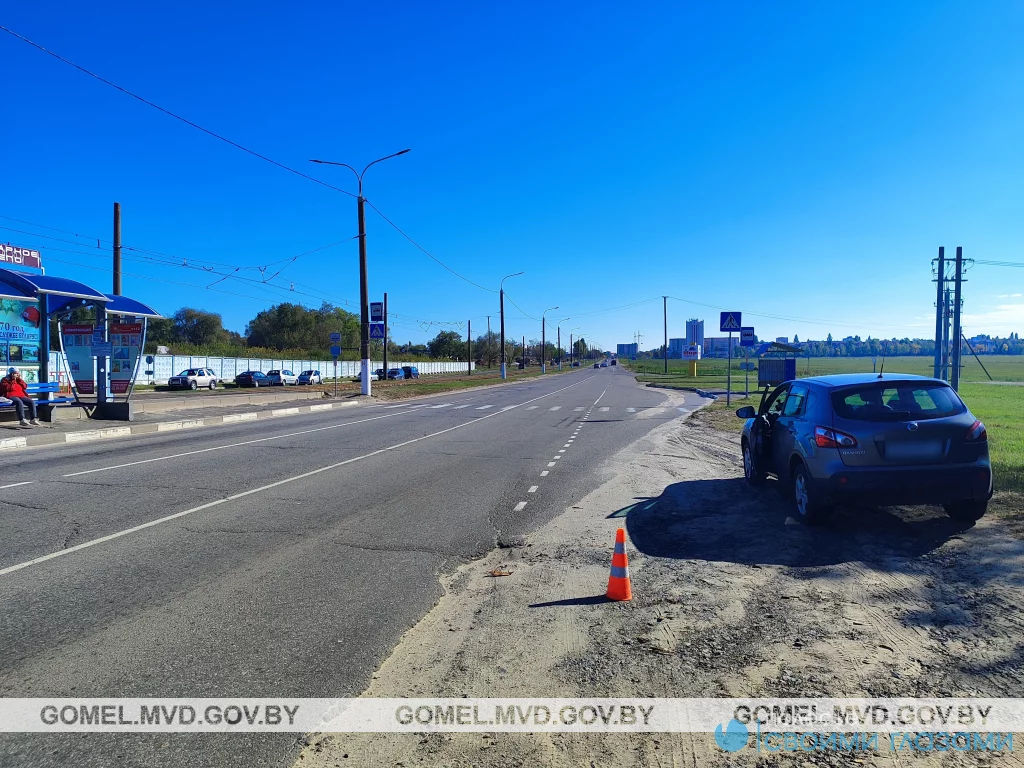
(62, 293)
(122, 305)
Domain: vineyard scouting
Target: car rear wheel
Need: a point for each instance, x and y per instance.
(968, 511)
(809, 508)
(194, 385)
(751, 469)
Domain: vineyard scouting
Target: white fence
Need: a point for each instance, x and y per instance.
(165, 366)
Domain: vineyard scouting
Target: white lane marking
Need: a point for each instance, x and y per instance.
(561, 450)
(604, 409)
(15, 485)
(533, 407)
(555, 458)
(602, 395)
(400, 405)
(484, 407)
(577, 410)
(231, 445)
(442, 405)
(568, 445)
(508, 407)
(551, 463)
(555, 408)
(545, 473)
(631, 410)
(460, 407)
(520, 506)
(533, 489)
(243, 494)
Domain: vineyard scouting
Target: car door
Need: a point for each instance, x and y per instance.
(768, 414)
(787, 428)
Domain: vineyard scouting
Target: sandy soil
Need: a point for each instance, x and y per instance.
(731, 598)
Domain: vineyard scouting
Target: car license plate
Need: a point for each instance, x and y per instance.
(916, 451)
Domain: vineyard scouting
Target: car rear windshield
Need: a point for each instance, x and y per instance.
(899, 401)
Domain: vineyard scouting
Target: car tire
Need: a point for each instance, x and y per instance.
(752, 471)
(809, 508)
(194, 385)
(213, 384)
(966, 511)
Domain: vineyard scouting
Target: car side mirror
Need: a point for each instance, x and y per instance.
(746, 412)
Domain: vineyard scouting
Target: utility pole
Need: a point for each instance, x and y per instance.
(490, 354)
(524, 353)
(664, 311)
(469, 347)
(957, 345)
(385, 333)
(946, 303)
(501, 306)
(940, 277)
(117, 249)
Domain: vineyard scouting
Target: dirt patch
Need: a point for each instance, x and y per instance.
(731, 598)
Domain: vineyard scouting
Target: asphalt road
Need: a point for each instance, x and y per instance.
(298, 553)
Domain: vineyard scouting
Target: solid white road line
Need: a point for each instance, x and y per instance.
(533, 489)
(15, 485)
(545, 473)
(602, 395)
(520, 506)
(250, 492)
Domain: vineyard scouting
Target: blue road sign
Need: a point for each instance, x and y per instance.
(747, 336)
(335, 351)
(335, 338)
(730, 321)
(376, 330)
(377, 312)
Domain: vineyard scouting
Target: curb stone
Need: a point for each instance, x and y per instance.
(90, 435)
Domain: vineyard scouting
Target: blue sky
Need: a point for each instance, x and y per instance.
(796, 160)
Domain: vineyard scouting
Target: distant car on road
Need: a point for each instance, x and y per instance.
(310, 377)
(604, 364)
(411, 371)
(597, 365)
(614, 361)
(892, 439)
(281, 378)
(576, 365)
(193, 378)
(396, 374)
(251, 379)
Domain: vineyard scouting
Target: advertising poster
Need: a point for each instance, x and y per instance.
(77, 343)
(19, 337)
(126, 341)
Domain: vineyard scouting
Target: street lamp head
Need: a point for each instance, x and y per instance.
(403, 152)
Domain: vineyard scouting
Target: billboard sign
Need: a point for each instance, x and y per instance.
(76, 341)
(747, 336)
(691, 352)
(126, 343)
(730, 321)
(377, 312)
(19, 336)
(20, 257)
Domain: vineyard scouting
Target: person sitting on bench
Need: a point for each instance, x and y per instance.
(12, 386)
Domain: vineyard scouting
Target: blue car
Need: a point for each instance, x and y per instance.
(396, 374)
(411, 371)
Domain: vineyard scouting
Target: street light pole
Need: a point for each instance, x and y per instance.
(364, 289)
(501, 307)
(572, 349)
(560, 341)
(543, 338)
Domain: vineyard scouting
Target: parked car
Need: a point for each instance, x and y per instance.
(892, 439)
(193, 378)
(377, 375)
(310, 377)
(396, 374)
(576, 364)
(597, 365)
(411, 371)
(281, 378)
(252, 379)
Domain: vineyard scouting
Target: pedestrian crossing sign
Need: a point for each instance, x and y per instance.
(730, 321)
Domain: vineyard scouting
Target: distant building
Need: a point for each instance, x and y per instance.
(627, 350)
(782, 339)
(718, 346)
(694, 332)
(676, 347)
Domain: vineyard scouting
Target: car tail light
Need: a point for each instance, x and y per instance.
(977, 433)
(824, 437)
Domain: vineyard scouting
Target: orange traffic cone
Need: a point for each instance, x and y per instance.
(619, 587)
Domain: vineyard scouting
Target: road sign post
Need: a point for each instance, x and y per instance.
(729, 322)
(335, 353)
(746, 341)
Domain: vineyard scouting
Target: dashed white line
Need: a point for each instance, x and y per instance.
(460, 407)
(561, 450)
(631, 410)
(545, 473)
(442, 405)
(604, 409)
(484, 407)
(555, 458)
(567, 444)
(555, 408)
(520, 506)
(551, 463)
(533, 489)
(533, 407)
(15, 485)
(577, 410)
